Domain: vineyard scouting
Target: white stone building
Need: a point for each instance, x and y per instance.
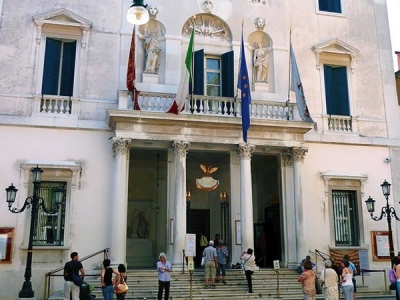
(127, 173)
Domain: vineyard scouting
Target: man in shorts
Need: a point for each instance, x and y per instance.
(211, 263)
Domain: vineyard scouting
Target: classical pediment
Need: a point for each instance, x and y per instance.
(62, 17)
(335, 47)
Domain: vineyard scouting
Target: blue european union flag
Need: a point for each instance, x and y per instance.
(244, 86)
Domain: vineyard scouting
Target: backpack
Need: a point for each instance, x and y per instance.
(84, 293)
(392, 276)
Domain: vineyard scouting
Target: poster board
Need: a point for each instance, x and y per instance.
(6, 245)
(190, 249)
(380, 245)
(238, 234)
(171, 231)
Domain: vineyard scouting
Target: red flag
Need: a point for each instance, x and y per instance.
(131, 73)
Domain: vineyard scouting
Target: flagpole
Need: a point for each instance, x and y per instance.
(240, 60)
(192, 66)
(288, 92)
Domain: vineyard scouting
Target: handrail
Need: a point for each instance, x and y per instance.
(362, 271)
(49, 274)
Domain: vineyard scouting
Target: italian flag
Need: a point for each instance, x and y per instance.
(183, 90)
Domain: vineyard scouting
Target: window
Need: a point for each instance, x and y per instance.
(333, 6)
(345, 218)
(49, 228)
(59, 67)
(336, 90)
(213, 75)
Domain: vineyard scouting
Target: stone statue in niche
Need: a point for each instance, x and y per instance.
(143, 226)
(153, 49)
(260, 63)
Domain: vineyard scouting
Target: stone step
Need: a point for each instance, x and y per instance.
(144, 284)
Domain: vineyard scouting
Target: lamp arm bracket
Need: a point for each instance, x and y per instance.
(43, 206)
(383, 213)
(393, 213)
(27, 203)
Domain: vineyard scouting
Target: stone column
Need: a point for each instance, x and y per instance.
(288, 213)
(246, 196)
(300, 218)
(180, 150)
(119, 201)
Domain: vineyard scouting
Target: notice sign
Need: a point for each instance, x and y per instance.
(190, 249)
(276, 264)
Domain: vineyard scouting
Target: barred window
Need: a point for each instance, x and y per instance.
(345, 217)
(49, 228)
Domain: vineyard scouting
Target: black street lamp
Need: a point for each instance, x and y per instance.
(387, 211)
(35, 202)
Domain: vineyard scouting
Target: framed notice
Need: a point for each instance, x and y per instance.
(6, 245)
(238, 233)
(380, 245)
(171, 231)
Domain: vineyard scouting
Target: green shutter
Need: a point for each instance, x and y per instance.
(336, 91)
(227, 69)
(68, 69)
(51, 67)
(198, 73)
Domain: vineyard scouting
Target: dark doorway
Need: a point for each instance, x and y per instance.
(198, 220)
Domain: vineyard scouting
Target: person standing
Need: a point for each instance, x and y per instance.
(72, 267)
(216, 240)
(211, 263)
(107, 286)
(164, 277)
(347, 282)
(222, 253)
(330, 279)
(354, 269)
(396, 267)
(249, 266)
(122, 278)
(307, 280)
(203, 242)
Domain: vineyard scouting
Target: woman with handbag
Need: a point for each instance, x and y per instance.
(120, 282)
(307, 280)
(249, 266)
(107, 286)
(330, 280)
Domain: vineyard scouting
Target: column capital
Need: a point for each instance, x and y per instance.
(299, 153)
(121, 146)
(287, 158)
(181, 147)
(245, 150)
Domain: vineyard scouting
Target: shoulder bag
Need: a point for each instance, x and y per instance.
(122, 287)
(78, 280)
(318, 287)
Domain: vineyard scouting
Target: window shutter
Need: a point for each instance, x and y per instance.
(227, 68)
(336, 91)
(68, 69)
(198, 73)
(51, 67)
(341, 91)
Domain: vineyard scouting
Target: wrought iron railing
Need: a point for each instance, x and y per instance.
(53, 272)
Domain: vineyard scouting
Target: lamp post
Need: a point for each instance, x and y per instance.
(35, 202)
(387, 211)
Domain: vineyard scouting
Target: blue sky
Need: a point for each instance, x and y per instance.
(394, 23)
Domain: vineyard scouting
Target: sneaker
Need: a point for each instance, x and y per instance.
(213, 287)
(250, 292)
(207, 287)
(224, 281)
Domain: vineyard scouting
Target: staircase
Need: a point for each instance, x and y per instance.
(144, 284)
